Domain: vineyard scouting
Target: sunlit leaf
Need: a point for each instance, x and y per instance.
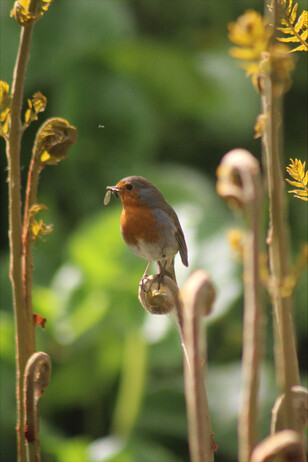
(294, 183)
(298, 32)
(45, 157)
(38, 228)
(296, 170)
(27, 115)
(4, 95)
(37, 208)
(299, 192)
(4, 122)
(4, 108)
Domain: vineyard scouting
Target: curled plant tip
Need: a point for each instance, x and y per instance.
(234, 175)
(35, 105)
(53, 140)
(38, 228)
(199, 293)
(158, 296)
(36, 379)
(27, 11)
(287, 444)
(299, 400)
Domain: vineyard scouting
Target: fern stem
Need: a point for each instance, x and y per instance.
(198, 295)
(239, 182)
(30, 199)
(36, 379)
(285, 349)
(22, 326)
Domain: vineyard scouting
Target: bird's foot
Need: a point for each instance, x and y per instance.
(142, 284)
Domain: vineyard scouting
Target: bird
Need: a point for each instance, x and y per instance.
(149, 225)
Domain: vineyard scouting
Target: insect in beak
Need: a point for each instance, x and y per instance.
(110, 189)
(114, 190)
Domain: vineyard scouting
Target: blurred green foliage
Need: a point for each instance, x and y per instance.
(157, 75)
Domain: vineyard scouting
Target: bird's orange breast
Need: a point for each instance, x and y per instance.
(138, 223)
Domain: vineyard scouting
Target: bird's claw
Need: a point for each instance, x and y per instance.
(142, 284)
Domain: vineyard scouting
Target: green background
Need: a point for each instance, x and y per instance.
(157, 75)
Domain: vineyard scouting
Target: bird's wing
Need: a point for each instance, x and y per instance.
(179, 235)
(182, 245)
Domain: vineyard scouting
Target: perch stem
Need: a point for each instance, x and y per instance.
(198, 296)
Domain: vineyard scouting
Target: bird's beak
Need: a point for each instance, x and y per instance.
(114, 190)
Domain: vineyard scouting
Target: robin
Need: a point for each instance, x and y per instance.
(149, 225)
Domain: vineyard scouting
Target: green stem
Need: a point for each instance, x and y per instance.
(22, 327)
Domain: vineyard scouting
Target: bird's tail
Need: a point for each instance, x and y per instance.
(166, 267)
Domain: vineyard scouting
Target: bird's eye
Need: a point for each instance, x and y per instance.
(129, 186)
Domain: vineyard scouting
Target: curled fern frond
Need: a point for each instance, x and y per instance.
(296, 170)
(295, 29)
